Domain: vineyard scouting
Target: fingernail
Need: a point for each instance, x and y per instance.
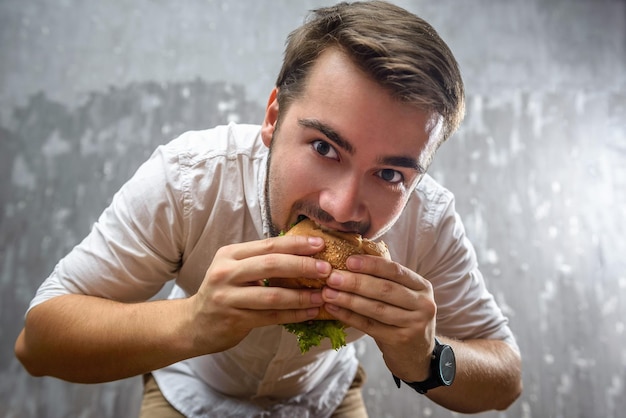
(329, 307)
(335, 278)
(312, 312)
(330, 293)
(354, 263)
(316, 241)
(322, 267)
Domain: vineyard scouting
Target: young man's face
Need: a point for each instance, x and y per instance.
(346, 154)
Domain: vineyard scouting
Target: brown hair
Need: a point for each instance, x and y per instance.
(399, 50)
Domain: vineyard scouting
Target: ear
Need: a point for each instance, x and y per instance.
(271, 117)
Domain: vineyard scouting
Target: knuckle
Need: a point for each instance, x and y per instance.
(380, 309)
(398, 270)
(355, 284)
(273, 297)
(432, 309)
(269, 245)
(386, 287)
(220, 297)
(307, 265)
(428, 286)
(269, 263)
(223, 251)
(219, 274)
(427, 309)
(303, 299)
(368, 325)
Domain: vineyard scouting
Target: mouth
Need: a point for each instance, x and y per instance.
(323, 228)
(299, 219)
(325, 221)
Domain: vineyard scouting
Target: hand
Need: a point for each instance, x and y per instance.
(393, 305)
(232, 300)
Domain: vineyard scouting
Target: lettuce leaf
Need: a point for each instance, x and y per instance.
(311, 333)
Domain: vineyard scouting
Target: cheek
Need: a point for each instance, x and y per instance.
(291, 180)
(385, 212)
(292, 176)
(386, 209)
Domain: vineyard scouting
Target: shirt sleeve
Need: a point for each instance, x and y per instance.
(135, 246)
(465, 307)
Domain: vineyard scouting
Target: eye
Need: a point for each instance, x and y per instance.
(324, 149)
(391, 176)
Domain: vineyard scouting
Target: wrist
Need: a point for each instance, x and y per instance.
(187, 326)
(442, 370)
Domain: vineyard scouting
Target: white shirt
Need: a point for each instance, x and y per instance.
(205, 190)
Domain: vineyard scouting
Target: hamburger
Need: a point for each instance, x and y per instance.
(338, 247)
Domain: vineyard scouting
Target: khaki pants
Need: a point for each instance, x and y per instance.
(154, 405)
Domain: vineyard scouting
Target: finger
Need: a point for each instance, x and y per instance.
(362, 312)
(380, 267)
(263, 316)
(383, 333)
(289, 316)
(366, 324)
(397, 328)
(262, 298)
(296, 244)
(258, 268)
(373, 288)
(381, 299)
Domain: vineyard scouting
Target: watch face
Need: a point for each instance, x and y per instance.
(447, 365)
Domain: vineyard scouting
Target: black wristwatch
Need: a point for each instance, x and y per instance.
(442, 370)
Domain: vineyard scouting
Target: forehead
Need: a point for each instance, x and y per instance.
(341, 96)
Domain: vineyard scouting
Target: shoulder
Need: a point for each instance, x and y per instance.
(430, 203)
(228, 141)
(429, 222)
(433, 199)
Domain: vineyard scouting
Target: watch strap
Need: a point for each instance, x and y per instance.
(436, 377)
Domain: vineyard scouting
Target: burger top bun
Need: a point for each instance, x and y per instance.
(338, 247)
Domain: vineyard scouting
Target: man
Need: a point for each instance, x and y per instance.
(366, 95)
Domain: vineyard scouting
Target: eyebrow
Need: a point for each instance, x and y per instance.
(400, 161)
(329, 132)
(333, 135)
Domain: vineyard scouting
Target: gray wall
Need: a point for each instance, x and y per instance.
(89, 89)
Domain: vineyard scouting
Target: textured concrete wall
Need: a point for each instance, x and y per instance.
(89, 89)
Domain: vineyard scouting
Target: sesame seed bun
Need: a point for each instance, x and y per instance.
(338, 247)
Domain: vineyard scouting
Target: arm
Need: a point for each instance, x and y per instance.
(89, 339)
(488, 377)
(396, 307)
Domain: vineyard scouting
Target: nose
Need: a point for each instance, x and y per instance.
(343, 200)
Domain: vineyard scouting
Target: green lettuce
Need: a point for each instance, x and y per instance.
(311, 333)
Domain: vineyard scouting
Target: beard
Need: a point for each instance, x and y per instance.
(274, 230)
